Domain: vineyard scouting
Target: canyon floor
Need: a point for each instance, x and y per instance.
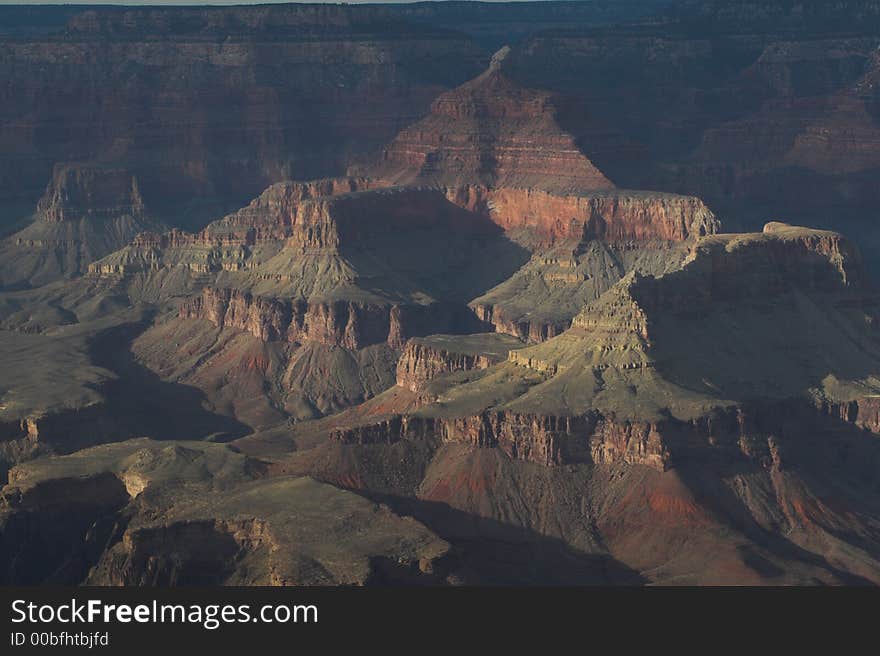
(391, 295)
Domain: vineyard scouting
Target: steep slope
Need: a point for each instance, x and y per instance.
(86, 213)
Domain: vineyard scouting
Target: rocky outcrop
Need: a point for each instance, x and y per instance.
(739, 267)
(79, 192)
(350, 324)
(529, 330)
(423, 360)
(496, 147)
(85, 213)
(296, 214)
(275, 215)
(863, 412)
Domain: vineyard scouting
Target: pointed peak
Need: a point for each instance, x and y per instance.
(498, 58)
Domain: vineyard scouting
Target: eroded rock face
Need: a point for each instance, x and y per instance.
(613, 217)
(423, 360)
(863, 412)
(338, 323)
(540, 439)
(491, 131)
(532, 331)
(755, 432)
(90, 192)
(349, 324)
(294, 213)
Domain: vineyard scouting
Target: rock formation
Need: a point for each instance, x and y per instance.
(640, 335)
(424, 359)
(491, 132)
(85, 213)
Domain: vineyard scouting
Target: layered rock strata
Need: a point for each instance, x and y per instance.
(349, 324)
(423, 360)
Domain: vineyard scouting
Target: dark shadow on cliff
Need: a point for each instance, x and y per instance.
(828, 472)
(491, 552)
(60, 542)
(142, 404)
(442, 250)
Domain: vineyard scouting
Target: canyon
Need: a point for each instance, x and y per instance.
(408, 295)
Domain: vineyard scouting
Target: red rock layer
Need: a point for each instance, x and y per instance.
(494, 132)
(535, 438)
(617, 216)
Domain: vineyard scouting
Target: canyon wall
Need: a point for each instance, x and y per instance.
(615, 216)
(754, 431)
(207, 106)
(350, 324)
